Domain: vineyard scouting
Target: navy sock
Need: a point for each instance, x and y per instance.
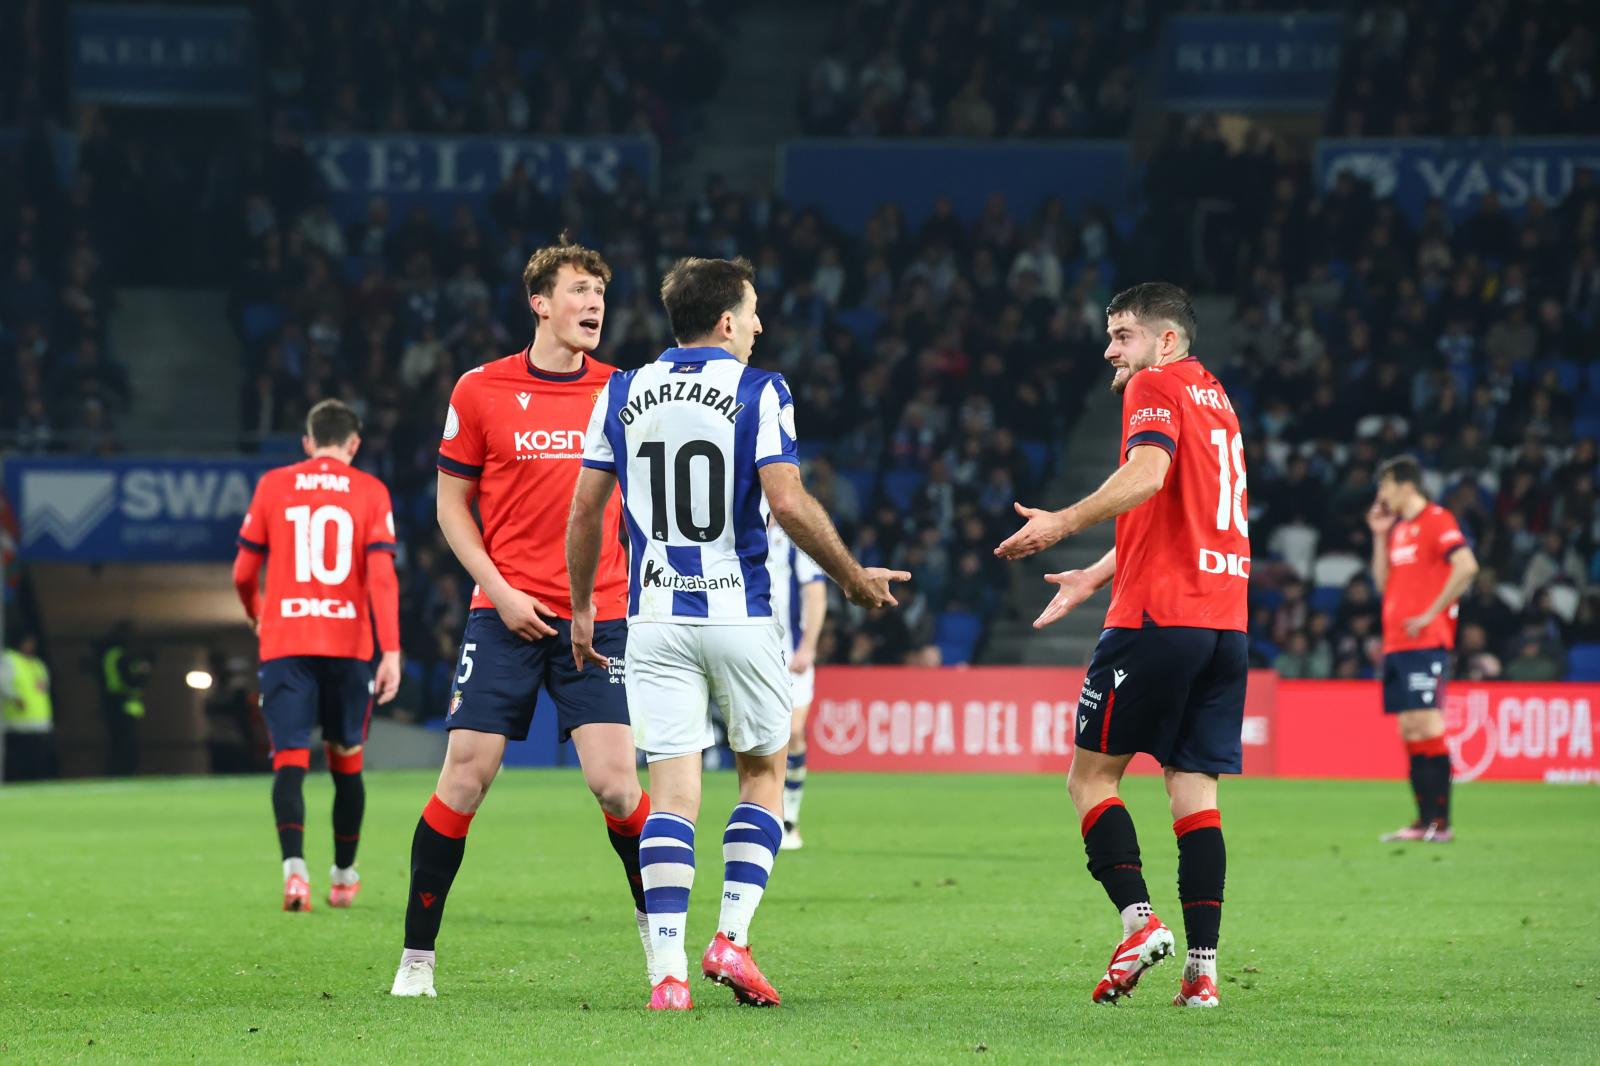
(1113, 849)
(1202, 869)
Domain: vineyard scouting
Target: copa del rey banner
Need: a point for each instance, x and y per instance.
(1020, 720)
(987, 719)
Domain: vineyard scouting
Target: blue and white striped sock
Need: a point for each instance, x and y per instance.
(666, 865)
(748, 847)
(794, 787)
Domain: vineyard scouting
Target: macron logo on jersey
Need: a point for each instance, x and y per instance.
(523, 398)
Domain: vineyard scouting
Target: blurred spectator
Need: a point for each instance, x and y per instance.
(932, 68)
(1533, 662)
(1474, 69)
(27, 714)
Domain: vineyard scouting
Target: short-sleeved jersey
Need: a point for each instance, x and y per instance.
(1183, 556)
(686, 436)
(791, 569)
(316, 521)
(1419, 565)
(519, 433)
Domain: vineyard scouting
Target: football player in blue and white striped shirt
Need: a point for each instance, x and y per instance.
(703, 447)
(800, 602)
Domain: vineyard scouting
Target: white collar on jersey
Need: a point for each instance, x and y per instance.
(694, 355)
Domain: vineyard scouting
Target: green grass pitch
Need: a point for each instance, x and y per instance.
(928, 919)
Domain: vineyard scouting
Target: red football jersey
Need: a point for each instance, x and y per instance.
(1183, 556)
(316, 521)
(1419, 566)
(519, 433)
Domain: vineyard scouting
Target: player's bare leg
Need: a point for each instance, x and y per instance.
(794, 783)
(471, 762)
(1113, 850)
(666, 857)
(606, 753)
(1423, 733)
(1202, 868)
(749, 846)
(349, 806)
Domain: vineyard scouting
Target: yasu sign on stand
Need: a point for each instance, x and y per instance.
(1459, 172)
(130, 510)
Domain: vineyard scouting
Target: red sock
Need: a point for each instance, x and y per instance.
(624, 834)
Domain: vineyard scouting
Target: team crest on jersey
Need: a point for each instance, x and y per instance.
(455, 703)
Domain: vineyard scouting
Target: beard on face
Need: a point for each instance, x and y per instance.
(1119, 381)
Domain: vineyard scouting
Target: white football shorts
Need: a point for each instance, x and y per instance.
(802, 687)
(676, 672)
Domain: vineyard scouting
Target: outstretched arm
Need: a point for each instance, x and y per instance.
(803, 518)
(1134, 482)
(1075, 586)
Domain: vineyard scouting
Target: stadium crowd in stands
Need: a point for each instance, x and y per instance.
(944, 68)
(535, 66)
(1470, 69)
(63, 387)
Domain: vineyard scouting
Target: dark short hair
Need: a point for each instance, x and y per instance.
(1157, 299)
(331, 423)
(1402, 469)
(698, 292)
(539, 276)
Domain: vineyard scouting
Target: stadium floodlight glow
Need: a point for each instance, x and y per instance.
(197, 679)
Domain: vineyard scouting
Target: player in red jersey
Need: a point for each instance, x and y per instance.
(513, 439)
(1422, 564)
(327, 532)
(1168, 675)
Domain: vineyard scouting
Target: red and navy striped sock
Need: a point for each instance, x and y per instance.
(289, 800)
(624, 835)
(349, 805)
(436, 850)
(1430, 777)
(1202, 868)
(1113, 849)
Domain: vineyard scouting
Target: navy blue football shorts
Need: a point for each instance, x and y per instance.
(498, 677)
(302, 692)
(1173, 691)
(1414, 680)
